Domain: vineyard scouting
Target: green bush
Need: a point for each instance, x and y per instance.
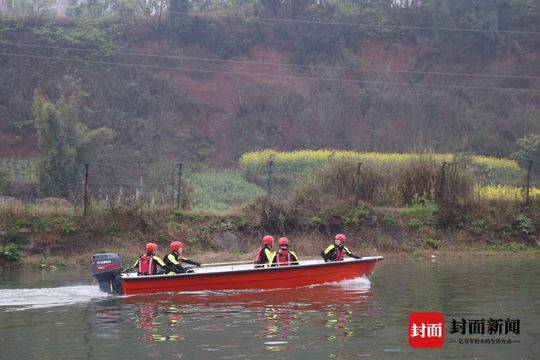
(432, 221)
(69, 229)
(355, 215)
(227, 226)
(43, 264)
(39, 224)
(413, 224)
(431, 244)
(15, 236)
(419, 210)
(512, 246)
(114, 229)
(314, 221)
(20, 223)
(524, 225)
(478, 226)
(10, 252)
(388, 221)
(507, 229)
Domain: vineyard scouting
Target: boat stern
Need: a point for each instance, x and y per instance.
(106, 268)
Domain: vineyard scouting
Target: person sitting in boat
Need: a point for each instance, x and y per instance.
(284, 256)
(150, 264)
(265, 255)
(174, 259)
(337, 250)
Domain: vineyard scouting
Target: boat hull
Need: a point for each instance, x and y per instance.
(266, 278)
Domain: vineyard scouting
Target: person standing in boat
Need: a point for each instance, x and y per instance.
(174, 259)
(338, 250)
(150, 264)
(284, 256)
(265, 255)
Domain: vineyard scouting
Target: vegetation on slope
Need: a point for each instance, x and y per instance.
(163, 115)
(322, 205)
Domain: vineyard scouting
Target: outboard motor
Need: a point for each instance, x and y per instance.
(106, 268)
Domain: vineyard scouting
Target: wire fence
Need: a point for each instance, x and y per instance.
(181, 187)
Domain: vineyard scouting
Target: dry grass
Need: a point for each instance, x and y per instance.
(272, 217)
(10, 212)
(294, 164)
(321, 207)
(418, 179)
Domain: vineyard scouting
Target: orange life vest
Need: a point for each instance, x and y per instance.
(283, 258)
(146, 265)
(340, 254)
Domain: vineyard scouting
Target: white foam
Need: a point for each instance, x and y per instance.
(359, 283)
(21, 299)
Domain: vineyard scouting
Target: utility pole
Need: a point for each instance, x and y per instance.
(440, 197)
(357, 185)
(269, 180)
(179, 189)
(528, 194)
(85, 189)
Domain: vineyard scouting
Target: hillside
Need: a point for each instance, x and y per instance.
(379, 88)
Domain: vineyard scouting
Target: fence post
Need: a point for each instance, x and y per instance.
(269, 180)
(85, 188)
(179, 189)
(440, 195)
(528, 193)
(357, 185)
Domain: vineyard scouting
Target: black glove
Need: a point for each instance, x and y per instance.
(191, 262)
(356, 257)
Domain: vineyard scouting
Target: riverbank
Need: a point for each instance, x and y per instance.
(33, 236)
(51, 263)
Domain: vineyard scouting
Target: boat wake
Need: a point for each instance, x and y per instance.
(24, 299)
(359, 283)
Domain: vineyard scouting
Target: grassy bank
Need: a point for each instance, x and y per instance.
(407, 206)
(35, 236)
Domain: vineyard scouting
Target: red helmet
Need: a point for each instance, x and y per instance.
(176, 245)
(341, 237)
(151, 247)
(268, 240)
(283, 241)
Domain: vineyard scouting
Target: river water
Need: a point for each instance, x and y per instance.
(60, 315)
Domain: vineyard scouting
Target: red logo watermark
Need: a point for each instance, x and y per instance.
(426, 330)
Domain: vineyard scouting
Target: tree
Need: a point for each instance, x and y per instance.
(152, 8)
(65, 143)
(91, 8)
(528, 149)
(294, 9)
(4, 179)
(30, 9)
(179, 19)
(180, 6)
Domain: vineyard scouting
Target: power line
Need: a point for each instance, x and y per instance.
(182, 57)
(406, 27)
(290, 77)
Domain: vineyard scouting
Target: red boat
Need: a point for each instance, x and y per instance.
(234, 276)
